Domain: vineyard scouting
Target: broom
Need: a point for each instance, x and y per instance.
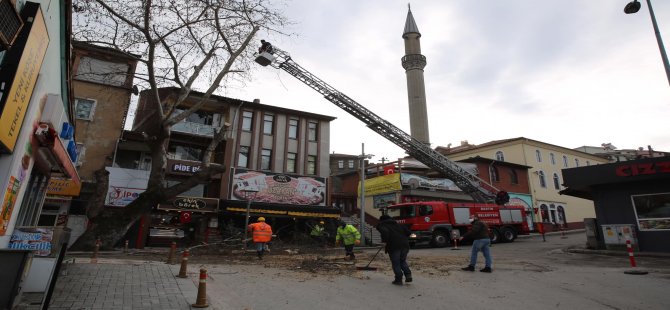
(367, 267)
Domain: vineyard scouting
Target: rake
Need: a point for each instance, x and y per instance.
(367, 267)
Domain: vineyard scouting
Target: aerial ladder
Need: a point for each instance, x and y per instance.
(471, 184)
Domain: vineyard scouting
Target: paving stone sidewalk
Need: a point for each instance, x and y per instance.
(112, 284)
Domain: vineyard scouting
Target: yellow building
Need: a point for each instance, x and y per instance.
(545, 178)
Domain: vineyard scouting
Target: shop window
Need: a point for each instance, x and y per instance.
(84, 108)
(652, 211)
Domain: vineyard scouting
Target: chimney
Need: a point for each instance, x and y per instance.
(464, 142)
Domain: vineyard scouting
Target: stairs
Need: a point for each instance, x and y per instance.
(371, 235)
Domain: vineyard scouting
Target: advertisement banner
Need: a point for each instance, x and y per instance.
(381, 184)
(8, 202)
(121, 196)
(414, 181)
(63, 187)
(278, 188)
(34, 239)
(383, 201)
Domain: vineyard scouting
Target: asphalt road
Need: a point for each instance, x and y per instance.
(528, 274)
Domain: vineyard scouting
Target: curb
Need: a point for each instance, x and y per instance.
(617, 253)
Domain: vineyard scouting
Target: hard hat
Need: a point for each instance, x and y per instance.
(322, 223)
(261, 219)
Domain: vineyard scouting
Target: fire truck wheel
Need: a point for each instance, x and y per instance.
(439, 240)
(508, 234)
(495, 235)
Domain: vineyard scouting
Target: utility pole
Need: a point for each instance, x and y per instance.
(363, 157)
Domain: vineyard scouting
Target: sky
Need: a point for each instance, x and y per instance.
(569, 73)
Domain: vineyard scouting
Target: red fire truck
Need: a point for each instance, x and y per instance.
(439, 222)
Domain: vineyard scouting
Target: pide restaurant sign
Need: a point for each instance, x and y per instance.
(28, 52)
(194, 204)
(183, 167)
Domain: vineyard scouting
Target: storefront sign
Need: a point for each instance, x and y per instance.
(63, 187)
(381, 184)
(195, 204)
(180, 167)
(15, 102)
(279, 188)
(8, 202)
(34, 239)
(414, 181)
(383, 201)
(628, 170)
(121, 196)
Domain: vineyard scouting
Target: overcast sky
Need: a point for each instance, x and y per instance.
(568, 72)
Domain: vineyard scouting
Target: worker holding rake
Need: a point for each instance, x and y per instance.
(395, 236)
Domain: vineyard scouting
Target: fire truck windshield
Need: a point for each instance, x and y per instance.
(402, 212)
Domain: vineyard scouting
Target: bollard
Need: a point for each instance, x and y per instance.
(201, 300)
(96, 249)
(125, 247)
(629, 247)
(455, 245)
(184, 265)
(171, 253)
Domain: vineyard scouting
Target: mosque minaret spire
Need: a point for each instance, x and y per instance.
(414, 62)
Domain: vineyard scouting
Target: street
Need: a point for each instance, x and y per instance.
(527, 273)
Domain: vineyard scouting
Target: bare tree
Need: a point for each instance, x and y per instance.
(190, 45)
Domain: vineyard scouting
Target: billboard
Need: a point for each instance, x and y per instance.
(278, 188)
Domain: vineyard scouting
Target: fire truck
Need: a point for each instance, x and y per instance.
(438, 222)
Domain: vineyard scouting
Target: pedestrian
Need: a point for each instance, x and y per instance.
(396, 244)
(261, 234)
(318, 233)
(481, 242)
(350, 236)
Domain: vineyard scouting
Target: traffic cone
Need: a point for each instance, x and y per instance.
(171, 253)
(201, 300)
(184, 265)
(455, 245)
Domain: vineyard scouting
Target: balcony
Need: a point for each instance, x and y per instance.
(194, 129)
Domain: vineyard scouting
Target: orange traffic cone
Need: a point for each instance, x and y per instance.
(201, 300)
(184, 265)
(171, 253)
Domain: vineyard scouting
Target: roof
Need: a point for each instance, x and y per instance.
(410, 24)
(468, 147)
(105, 50)
(478, 158)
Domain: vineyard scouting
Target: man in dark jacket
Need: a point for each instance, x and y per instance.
(395, 236)
(481, 242)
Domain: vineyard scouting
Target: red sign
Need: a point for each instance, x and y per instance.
(642, 169)
(389, 170)
(185, 217)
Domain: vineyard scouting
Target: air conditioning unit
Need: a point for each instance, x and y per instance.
(10, 24)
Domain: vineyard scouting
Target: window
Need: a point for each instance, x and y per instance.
(311, 131)
(268, 120)
(100, 71)
(493, 172)
(544, 213)
(293, 129)
(351, 164)
(538, 156)
(266, 159)
(543, 182)
(561, 215)
(425, 210)
(81, 150)
(184, 152)
(652, 211)
(311, 164)
(513, 176)
(247, 120)
(290, 162)
(557, 182)
(565, 161)
(198, 117)
(500, 156)
(576, 162)
(243, 160)
(85, 108)
(552, 158)
(340, 164)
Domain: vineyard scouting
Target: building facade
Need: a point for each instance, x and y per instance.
(545, 181)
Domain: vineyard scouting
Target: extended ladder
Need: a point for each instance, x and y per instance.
(477, 188)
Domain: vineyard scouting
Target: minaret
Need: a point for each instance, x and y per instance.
(414, 62)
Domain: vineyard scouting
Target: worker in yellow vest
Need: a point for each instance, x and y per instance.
(350, 236)
(261, 234)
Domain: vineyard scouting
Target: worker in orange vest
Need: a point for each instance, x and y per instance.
(261, 234)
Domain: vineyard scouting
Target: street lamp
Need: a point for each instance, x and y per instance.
(363, 157)
(634, 7)
(249, 193)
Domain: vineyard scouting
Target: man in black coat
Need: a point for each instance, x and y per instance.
(480, 242)
(395, 236)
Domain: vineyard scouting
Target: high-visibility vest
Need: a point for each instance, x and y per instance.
(261, 232)
(349, 234)
(317, 231)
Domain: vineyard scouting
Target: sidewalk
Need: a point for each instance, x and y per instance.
(121, 284)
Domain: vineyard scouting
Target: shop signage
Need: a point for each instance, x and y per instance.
(643, 169)
(8, 202)
(278, 188)
(414, 181)
(382, 184)
(194, 204)
(383, 201)
(38, 240)
(63, 187)
(15, 102)
(181, 167)
(121, 196)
